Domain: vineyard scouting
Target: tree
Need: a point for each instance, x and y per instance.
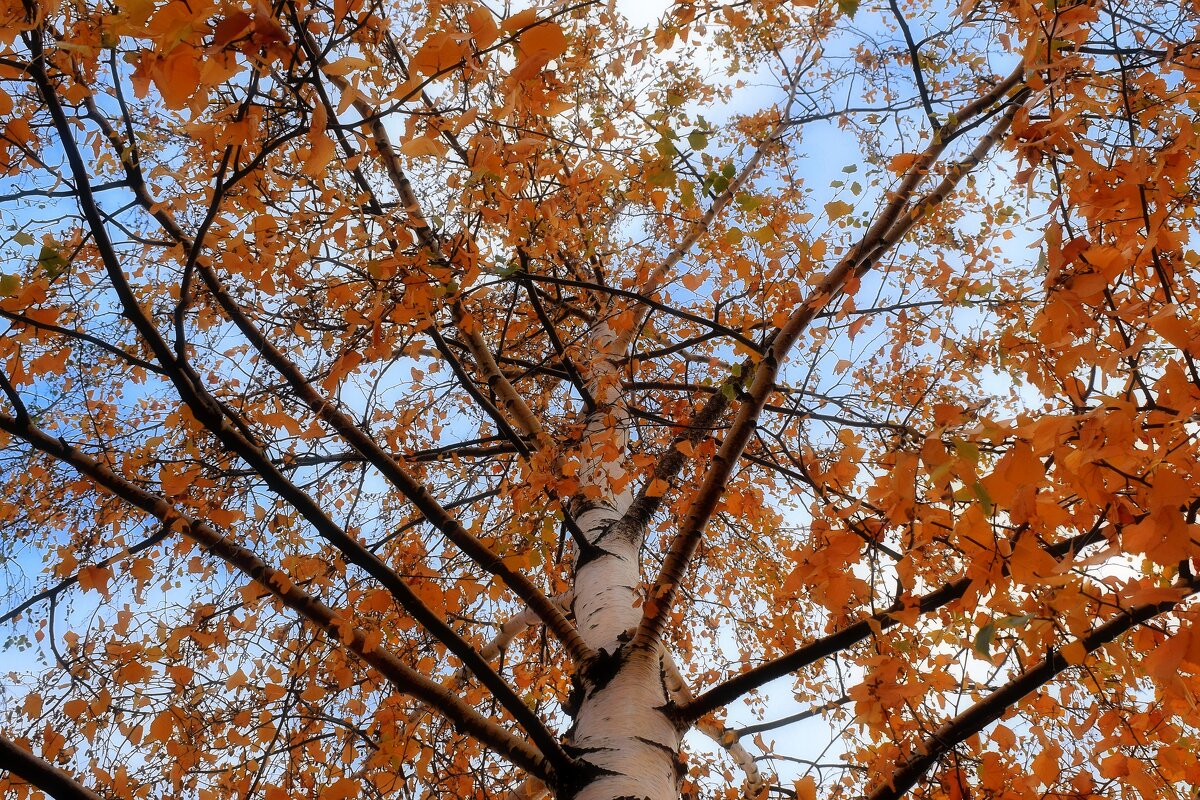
(427, 399)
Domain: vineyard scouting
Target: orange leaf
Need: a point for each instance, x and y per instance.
(546, 40)
(439, 52)
(424, 146)
(1074, 653)
(537, 47)
(163, 726)
(320, 153)
(837, 209)
(177, 76)
(902, 162)
(231, 28)
(522, 19)
(483, 27)
(95, 577)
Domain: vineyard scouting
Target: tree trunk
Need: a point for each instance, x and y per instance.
(623, 734)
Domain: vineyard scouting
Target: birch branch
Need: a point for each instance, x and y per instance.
(41, 774)
(212, 415)
(327, 411)
(337, 627)
(756, 784)
(513, 627)
(995, 705)
(720, 203)
(510, 400)
(672, 461)
(726, 692)
(880, 237)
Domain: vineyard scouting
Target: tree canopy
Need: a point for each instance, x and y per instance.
(441, 398)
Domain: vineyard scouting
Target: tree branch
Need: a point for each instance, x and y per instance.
(891, 224)
(992, 707)
(279, 584)
(41, 774)
(209, 413)
(725, 693)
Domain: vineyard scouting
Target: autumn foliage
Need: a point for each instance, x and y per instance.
(442, 399)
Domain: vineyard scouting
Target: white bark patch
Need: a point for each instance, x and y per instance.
(622, 729)
(621, 726)
(606, 590)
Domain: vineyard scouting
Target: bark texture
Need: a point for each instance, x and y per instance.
(624, 735)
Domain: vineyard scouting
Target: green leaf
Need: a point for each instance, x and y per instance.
(50, 260)
(984, 639)
(748, 202)
(687, 194)
(984, 498)
(697, 140)
(848, 7)
(24, 239)
(967, 451)
(9, 285)
(662, 176)
(764, 234)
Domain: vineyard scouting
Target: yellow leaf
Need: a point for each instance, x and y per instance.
(344, 66)
(837, 209)
(423, 146)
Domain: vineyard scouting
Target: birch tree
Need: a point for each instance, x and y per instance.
(440, 398)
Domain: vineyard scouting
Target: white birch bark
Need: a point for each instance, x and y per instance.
(622, 731)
